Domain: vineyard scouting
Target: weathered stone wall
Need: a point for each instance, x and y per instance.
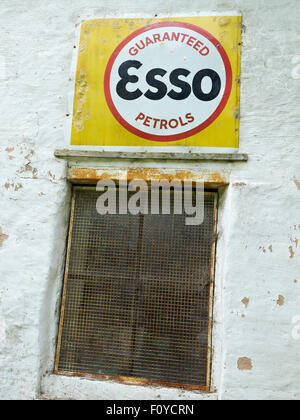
(256, 351)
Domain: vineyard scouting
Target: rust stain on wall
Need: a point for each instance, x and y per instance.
(216, 179)
(146, 174)
(244, 363)
(3, 237)
(80, 174)
(157, 175)
(135, 381)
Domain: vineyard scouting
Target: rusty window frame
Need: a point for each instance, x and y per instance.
(134, 380)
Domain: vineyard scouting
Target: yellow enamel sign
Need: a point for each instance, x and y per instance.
(158, 82)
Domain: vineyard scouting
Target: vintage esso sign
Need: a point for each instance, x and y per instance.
(168, 81)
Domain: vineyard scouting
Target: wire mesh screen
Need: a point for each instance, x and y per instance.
(137, 295)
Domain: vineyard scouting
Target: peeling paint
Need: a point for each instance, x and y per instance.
(29, 155)
(82, 47)
(297, 183)
(246, 301)
(244, 363)
(239, 184)
(81, 95)
(3, 237)
(224, 21)
(28, 168)
(292, 253)
(34, 173)
(280, 300)
(291, 247)
(18, 187)
(51, 175)
(263, 249)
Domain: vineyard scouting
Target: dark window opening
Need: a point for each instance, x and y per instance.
(137, 299)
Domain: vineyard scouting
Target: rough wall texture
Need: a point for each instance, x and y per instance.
(257, 279)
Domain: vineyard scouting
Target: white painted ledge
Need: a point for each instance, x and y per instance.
(78, 154)
(64, 387)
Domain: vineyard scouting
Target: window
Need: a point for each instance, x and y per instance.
(137, 298)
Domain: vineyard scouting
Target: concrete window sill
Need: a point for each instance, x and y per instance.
(223, 157)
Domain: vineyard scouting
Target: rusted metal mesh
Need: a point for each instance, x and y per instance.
(137, 295)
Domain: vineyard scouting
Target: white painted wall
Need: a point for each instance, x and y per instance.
(258, 251)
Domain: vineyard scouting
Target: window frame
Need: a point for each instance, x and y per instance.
(132, 380)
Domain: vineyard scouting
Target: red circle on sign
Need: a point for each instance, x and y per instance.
(186, 134)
